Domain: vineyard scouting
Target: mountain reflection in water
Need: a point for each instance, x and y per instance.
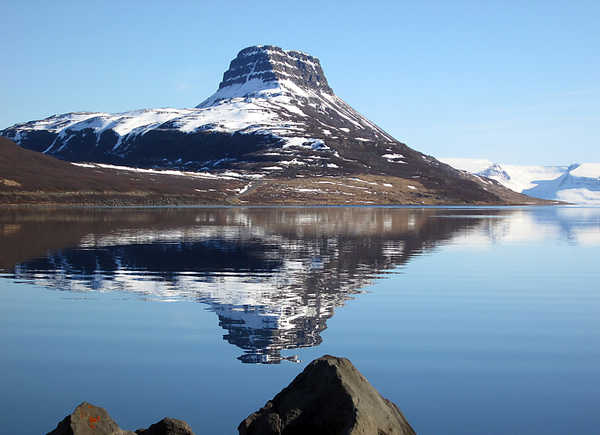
(273, 276)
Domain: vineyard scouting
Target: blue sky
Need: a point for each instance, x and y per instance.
(512, 81)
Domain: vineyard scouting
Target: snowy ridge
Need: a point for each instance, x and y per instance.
(576, 183)
(224, 118)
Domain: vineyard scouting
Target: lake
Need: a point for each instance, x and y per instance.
(472, 320)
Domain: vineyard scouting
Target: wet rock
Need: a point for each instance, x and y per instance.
(329, 397)
(88, 419)
(167, 426)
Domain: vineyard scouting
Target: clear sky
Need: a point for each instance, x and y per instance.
(511, 81)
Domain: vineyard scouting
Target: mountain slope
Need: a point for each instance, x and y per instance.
(274, 116)
(576, 183)
(31, 177)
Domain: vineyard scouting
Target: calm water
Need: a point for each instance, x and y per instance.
(473, 320)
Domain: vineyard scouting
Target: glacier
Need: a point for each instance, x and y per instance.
(577, 183)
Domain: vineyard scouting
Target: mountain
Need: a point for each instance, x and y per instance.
(273, 116)
(272, 107)
(577, 183)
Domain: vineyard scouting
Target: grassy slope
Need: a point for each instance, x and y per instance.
(29, 177)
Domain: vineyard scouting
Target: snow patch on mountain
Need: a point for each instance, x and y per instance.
(228, 175)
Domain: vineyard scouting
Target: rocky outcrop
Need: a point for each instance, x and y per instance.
(88, 419)
(329, 397)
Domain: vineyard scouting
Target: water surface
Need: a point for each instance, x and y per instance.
(473, 320)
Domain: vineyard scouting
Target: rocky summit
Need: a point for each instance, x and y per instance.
(273, 116)
(263, 67)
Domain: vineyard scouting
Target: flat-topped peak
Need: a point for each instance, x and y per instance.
(273, 49)
(266, 67)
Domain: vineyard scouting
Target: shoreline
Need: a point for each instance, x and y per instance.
(144, 201)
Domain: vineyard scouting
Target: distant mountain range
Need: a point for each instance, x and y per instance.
(273, 117)
(577, 183)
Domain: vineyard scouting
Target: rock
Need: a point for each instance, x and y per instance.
(329, 397)
(88, 419)
(167, 426)
(269, 64)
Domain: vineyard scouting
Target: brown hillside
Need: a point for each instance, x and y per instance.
(30, 177)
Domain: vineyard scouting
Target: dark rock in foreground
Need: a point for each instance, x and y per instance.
(329, 397)
(167, 426)
(88, 419)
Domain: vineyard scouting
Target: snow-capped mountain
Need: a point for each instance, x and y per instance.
(273, 106)
(577, 183)
(273, 115)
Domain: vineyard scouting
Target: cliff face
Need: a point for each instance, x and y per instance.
(270, 64)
